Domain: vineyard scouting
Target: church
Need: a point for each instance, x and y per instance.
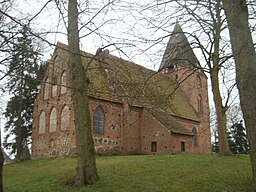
(133, 110)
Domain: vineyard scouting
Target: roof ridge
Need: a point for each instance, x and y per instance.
(63, 45)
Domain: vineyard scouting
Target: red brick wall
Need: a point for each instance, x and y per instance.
(194, 85)
(113, 115)
(60, 142)
(154, 131)
(131, 130)
(126, 128)
(167, 142)
(176, 140)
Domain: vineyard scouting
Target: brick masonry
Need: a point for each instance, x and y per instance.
(127, 129)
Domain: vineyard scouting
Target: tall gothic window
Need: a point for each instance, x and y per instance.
(198, 80)
(46, 89)
(63, 82)
(98, 121)
(53, 120)
(194, 131)
(54, 90)
(54, 77)
(199, 104)
(64, 118)
(55, 70)
(41, 123)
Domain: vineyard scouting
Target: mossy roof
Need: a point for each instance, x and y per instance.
(168, 121)
(118, 80)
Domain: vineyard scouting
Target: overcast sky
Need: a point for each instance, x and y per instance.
(133, 33)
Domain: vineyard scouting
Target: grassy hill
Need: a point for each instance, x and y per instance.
(135, 173)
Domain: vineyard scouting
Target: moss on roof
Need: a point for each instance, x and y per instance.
(144, 87)
(168, 121)
(112, 78)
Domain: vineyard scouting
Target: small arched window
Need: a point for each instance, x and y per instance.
(41, 123)
(63, 82)
(98, 121)
(194, 131)
(53, 120)
(64, 118)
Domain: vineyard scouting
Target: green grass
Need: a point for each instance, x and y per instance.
(135, 173)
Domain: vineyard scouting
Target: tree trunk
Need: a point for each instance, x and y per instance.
(245, 59)
(86, 165)
(19, 143)
(18, 156)
(214, 74)
(221, 114)
(1, 167)
(1, 170)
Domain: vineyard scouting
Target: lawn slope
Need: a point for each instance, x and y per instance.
(135, 173)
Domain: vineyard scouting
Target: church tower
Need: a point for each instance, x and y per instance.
(180, 63)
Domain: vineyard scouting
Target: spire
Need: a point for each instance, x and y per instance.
(178, 50)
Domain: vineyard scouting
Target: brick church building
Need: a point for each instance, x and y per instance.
(133, 109)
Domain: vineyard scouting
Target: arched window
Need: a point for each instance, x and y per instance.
(194, 131)
(46, 89)
(53, 120)
(98, 121)
(41, 123)
(198, 80)
(199, 104)
(63, 82)
(54, 90)
(64, 118)
(55, 70)
(55, 77)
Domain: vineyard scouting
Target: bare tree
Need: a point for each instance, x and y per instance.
(1, 161)
(245, 59)
(86, 165)
(206, 26)
(1, 167)
(214, 75)
(4, 6)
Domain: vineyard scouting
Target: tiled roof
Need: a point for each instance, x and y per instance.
(178, 51)
(168, 121)
(114, 79)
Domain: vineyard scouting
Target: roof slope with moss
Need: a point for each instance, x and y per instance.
(168, 121)
(117, 80)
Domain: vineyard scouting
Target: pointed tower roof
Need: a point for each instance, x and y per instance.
(178, 51)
